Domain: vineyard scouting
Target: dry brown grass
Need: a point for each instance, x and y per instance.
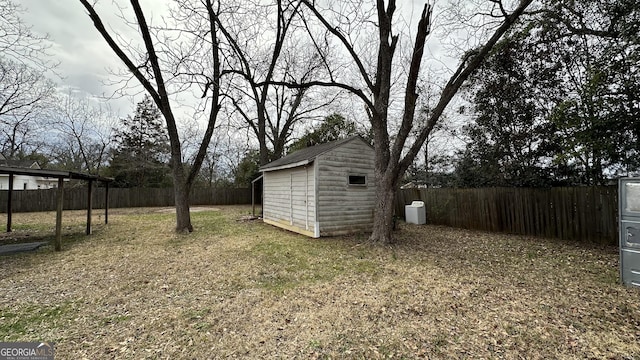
(244, 289)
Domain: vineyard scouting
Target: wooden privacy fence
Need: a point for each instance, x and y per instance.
(577, 213)
(76, 198)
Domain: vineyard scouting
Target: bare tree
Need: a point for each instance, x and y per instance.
(83, 129)
(25, 97)
(393, 155)
(24, 91)
(271, 110)
(175, 63)
(18, 43)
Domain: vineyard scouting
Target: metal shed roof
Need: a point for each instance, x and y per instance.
(306, 155)
(52, 174)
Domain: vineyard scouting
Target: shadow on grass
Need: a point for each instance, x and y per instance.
(20, 261)
(516, 257)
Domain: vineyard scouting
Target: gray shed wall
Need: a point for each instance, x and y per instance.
(343, 208)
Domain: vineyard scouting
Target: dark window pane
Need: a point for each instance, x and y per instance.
(357, 180)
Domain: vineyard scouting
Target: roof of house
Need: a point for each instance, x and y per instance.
(26, 164)
(306, 155)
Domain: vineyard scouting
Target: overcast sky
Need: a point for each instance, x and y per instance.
(84, 56)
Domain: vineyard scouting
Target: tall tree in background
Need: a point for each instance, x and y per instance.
(18, 43)
(167, 61)
(264, 51)
(393, 155)
(247, 169)
(598, 121)
(139, 156)
(333, 127)
(509, 144)
(597, 48)
(565, 109)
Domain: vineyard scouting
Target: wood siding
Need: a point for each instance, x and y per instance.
(289, 199)
(343, 208)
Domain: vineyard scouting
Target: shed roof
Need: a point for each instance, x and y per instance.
(306, 155)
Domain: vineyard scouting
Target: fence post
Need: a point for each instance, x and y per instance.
(106, 203)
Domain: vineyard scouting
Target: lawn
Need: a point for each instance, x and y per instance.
(243, 289)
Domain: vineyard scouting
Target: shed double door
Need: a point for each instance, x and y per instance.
(298, 199)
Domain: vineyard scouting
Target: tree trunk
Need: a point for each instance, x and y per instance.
(278, 146)
(181, 190)
(383, 212)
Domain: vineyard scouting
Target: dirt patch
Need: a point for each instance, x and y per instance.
(193, 209)
(17, 237)
(137, 290)
(249, 218)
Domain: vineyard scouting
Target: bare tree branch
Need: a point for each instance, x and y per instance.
(470, 63)
(336, 32)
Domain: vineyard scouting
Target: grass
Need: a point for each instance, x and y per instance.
(136, 290)
(25, 319)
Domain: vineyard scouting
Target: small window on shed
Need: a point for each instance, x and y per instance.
(357, 180)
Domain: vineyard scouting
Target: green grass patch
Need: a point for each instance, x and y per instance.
(291, 262)
(16, 324)
(287, 260)
(29, 227)
(114, 319)
(196, 314)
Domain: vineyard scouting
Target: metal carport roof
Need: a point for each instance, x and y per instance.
(60, 175)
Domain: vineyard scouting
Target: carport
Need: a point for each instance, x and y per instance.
(60, 176)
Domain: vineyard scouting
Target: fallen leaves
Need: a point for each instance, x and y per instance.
(136, 290)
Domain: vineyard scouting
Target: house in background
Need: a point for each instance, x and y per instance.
(324, 190)
(25, 182)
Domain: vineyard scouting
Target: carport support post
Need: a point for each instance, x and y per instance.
(58, 240)
(253, 199)
(89, 206)
(9, 203)
(253, 194)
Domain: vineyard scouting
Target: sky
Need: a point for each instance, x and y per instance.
(84, 57)
(85, 62)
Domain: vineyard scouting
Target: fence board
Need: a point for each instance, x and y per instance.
(582, 213)
(586, 214)
(76, 198)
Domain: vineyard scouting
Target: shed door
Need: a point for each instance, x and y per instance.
(298, 198)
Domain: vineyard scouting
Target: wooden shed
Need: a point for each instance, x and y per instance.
(324, 190)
